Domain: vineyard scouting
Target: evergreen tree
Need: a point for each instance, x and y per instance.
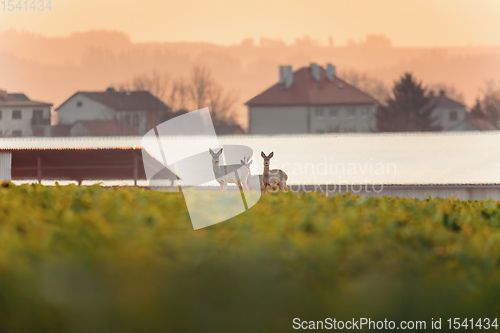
(409, 109)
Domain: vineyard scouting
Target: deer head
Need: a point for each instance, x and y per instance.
(267, 159)
(215, 156)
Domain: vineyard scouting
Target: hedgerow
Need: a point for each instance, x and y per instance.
(93, 259)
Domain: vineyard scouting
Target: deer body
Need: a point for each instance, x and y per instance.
(233, 173)
(274, 178)
(254, 182)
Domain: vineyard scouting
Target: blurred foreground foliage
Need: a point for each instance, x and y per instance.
(92, 259)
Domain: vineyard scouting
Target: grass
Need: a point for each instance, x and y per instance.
(91, 259)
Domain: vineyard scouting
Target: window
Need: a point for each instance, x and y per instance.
(16, 114)
(1, 134)
(135, 121)
(453, 115)
(37, 117)
(351, 112)
(17, 133)
(0, 114)
(334, 113)
(365, 112)
(320, 131)
(79, 104)
(319, 113)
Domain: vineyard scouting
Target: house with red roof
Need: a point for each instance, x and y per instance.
(311, 100)
(110, 112)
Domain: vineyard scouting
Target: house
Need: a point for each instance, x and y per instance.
(120, 113)
(311, 100)
(451, 115)
(21, 116)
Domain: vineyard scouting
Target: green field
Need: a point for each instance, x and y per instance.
(92, 259)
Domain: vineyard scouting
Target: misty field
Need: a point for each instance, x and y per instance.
(92, 259)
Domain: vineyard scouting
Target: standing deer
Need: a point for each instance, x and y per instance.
(233, 173)
(254, 182)
(275, 178)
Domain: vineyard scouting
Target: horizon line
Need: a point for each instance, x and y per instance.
(255, 39)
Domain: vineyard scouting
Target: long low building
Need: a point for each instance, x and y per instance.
(465, 165)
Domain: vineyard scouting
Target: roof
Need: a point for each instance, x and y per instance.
(437, 158)
(305, 90)
(70, 143)
(60, 130)
(479, 123)
(106, 127)
(20, 100)
(123, 100)
(443, 101)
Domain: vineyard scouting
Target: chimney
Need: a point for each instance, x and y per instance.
(442, 92)
(330, 71)
(315, 71)
(3, 95)
(288, 77)
(282, 74)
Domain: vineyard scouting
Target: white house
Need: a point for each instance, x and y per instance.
(20, 116)
(451, 115)
(115, 112)
(311, 100)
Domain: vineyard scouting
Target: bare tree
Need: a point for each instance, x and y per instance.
(487, 106)
(198, 91)
(155, 82)
(372, 86)
(203, 91)
(200, 86)
(179, 97)
(222, 106)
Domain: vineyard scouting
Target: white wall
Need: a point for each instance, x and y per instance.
(343, 123)
(8, 125)
(70, 113)
(302, 119)
(5, 166)
(277, 119)
(442, 116)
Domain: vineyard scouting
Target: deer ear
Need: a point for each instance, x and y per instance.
(272, 154)
(242, 162)
(220, 151)
(262, 154)
(211, 151)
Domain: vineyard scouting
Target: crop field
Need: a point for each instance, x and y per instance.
(93, 259)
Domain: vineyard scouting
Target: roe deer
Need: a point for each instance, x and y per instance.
(233, 173)
(275, 178)
(254, 182)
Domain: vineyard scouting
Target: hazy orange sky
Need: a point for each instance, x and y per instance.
(407, 23)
